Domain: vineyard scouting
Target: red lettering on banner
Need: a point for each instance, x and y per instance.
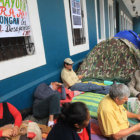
(12, 12)
(18, 15)
(21, 13)
(2, 10)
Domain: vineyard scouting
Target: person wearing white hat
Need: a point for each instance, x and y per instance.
(68, 61)
(73, 81)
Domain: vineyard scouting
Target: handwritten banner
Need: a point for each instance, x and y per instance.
(14, 18)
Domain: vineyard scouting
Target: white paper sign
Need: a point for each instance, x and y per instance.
(14, 18)
(76, 14)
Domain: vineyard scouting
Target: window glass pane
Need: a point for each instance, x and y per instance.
(100, 19)
(15, 47)
(77, 22)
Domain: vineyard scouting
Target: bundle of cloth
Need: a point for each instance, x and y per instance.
(134, 84)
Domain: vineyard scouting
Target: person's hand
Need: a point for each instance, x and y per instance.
(80, 76)
(7, 132)
(58, 84)
(138, 126)
(54, 85)
(138, 96)
(138, 116)
(15, 130)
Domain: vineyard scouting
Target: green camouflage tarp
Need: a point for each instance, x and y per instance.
(111, 59)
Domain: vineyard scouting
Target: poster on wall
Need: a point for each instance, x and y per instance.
(76, 14)
(14, 18)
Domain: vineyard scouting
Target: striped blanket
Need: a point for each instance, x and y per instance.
(91, 100)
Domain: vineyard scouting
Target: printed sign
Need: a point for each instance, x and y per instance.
(14, 18)
(76, 14)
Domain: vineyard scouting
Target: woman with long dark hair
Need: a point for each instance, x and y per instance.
(73, 123)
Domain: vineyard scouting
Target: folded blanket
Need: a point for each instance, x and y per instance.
(91, 100)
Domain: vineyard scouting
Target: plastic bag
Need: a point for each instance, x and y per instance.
(133, 105)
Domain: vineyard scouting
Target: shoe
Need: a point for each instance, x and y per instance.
(50, 123)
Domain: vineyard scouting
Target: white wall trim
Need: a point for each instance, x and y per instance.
(102, 19)
(103, 35)
(121, 12)
(122, 20)
(110, 3)
(78, 48)
(19, 65)
(97, 31)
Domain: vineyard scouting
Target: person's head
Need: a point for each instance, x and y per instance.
(75, 114)
(119, 93)
(68, 63)
(55, 85)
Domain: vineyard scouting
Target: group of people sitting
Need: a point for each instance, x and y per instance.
(73, 121)
(47, 98)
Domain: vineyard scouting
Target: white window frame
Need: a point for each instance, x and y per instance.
(122, 21)
(126, 22)
(16, 66)
(102, 19)
(82, 47)
(111, 25)
(131, 25)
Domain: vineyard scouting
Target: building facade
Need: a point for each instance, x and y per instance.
(58, 29)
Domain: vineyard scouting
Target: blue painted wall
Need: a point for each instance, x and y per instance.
(19, 89)
(136, 25)
(91, 18)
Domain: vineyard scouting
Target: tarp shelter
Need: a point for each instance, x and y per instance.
(130, 36)
(112, 59)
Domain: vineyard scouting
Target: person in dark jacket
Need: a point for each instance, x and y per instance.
(73, 123)
(47, 101)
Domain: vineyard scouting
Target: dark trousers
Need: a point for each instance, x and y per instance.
(48, 106)
(91, 87)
